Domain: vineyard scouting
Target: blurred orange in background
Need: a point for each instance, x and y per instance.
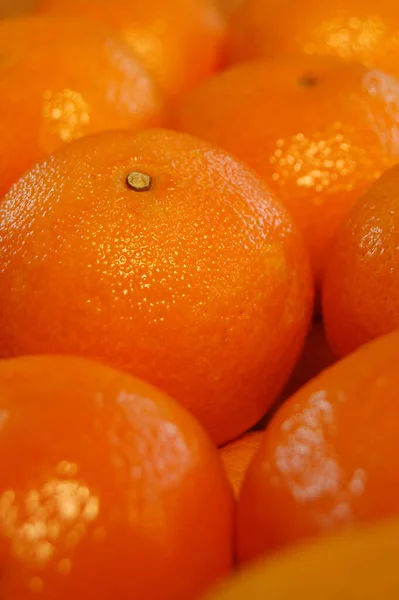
(180, 42)
(61, 79)
(361, 286)
(359, 564)
(317, 130)
(365, 31)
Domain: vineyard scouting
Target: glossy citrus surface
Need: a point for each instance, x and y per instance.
(365, 31)
(318, 131)
(61, 80)
(360, 564)
(104, 483)
(361, 287)
(180, 42)
(328, 456)
(200, 284)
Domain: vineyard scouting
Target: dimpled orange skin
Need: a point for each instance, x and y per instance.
(104, 483)
(181, 42)
(201, 285)
(61, 80)
(361, 285)
(328, 458)
(318, 131)
(363, 31)
(237, 455)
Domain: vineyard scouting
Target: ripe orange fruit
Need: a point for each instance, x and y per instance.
(308, 126)
(63, 79)
(361, 287)
(363, 31)
(104, 483)
(163, 256)
(181, 42)
(237, 455)
(328, 458)
(359, 564)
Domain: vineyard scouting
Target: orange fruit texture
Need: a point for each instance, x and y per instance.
(52, 89)
(361, 286)
(181, 42)
(104, 483)
(237, 455)
(365, 31)
(317, 130)
(359, 564)
(192, 276)
(328, 458)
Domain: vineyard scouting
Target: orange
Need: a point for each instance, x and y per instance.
(328, 458)
(361, 287)
(360, 565)
(192, 276)
(365, 31)
(108, 489)
(61, 80)
(181, 42)
(308, 126)
(237, 455)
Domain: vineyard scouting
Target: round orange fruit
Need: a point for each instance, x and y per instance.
(181, 42)
(108, 488)
(61, 79)
(161, 255)
(328, 458)
(361, 286)
(318, 131)
(363, 31)
(359, 564)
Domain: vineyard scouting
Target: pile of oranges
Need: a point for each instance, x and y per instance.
(199, 299)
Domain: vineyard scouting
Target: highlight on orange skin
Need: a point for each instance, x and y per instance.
(104, 483)
(318, 131)
(180, 42)
(362, 31)
(52, 90)
(328, 458)
(200, 285)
